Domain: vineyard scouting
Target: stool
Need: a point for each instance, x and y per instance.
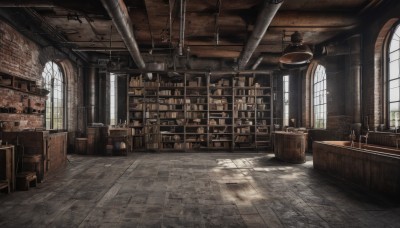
(397, 139)
(26, 180)
(4, 184)
(365, 137)
(31, 163)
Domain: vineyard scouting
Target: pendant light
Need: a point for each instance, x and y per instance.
(296, 52)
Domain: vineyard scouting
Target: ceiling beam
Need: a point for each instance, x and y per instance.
(313, 19)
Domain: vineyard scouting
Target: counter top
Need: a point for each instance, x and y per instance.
(6, 146)
(289, 133)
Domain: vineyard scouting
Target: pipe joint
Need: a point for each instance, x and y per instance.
(275, 1)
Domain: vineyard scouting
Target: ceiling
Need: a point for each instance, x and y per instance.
(215, 31)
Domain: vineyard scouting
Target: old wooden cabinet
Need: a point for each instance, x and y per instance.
(96, 140)
(118, 136)
(52, 149)
(7, 165)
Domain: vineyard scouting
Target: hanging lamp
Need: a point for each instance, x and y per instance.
(296, 52)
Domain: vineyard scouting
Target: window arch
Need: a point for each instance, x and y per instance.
(53, 81)
(319, 97)
(394, 77)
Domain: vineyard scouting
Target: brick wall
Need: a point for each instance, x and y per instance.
(18, 55)
(339, 126)
(22, 57)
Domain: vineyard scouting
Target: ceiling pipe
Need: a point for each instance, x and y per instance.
(27, 3)
(212, 72)
(335, 50)
(119, 14)
(105, 49)
(264, 19)
(182, 26)
(257, 63)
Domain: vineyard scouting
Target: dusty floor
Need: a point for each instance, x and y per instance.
(194, 190)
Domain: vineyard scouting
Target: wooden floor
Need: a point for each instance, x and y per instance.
(194, 190)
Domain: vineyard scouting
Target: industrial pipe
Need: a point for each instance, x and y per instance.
(212, 72)
(119, 14)
(182, 26)
(257, 63)
(355, 71)
(263, 21)
(27, 3)
(91, 96)
(104, 49)
(334, 50)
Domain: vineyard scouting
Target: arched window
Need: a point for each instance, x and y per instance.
(394, 78)
(53, 81)
(319, 89)
(286, 100)
(113, 97)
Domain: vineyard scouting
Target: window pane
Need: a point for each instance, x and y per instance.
(394, 81)
(394, 94)
(394, 69)
(394, 56)
(395, 106)
(394, 44)
(53, 81)
(113, 110)
(286, 100)
(320, 97)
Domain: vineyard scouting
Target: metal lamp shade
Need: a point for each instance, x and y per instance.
(296, 54)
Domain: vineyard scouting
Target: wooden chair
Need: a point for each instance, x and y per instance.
(397, 139)
(31, 163)
(25, 179)
(4, 184)
(364, 137)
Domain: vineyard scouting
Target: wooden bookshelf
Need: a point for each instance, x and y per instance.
(199, 112)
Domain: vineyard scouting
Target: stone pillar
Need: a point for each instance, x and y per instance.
(355, 73)
(91, 95)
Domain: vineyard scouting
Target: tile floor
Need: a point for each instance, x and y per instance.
(194, 190)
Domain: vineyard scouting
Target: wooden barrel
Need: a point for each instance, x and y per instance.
(290, 146)
(81, 145)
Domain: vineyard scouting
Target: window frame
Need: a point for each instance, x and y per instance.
(392, 122)
(113, 98)
(322, 92)
(54, 81)
(285, 104)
